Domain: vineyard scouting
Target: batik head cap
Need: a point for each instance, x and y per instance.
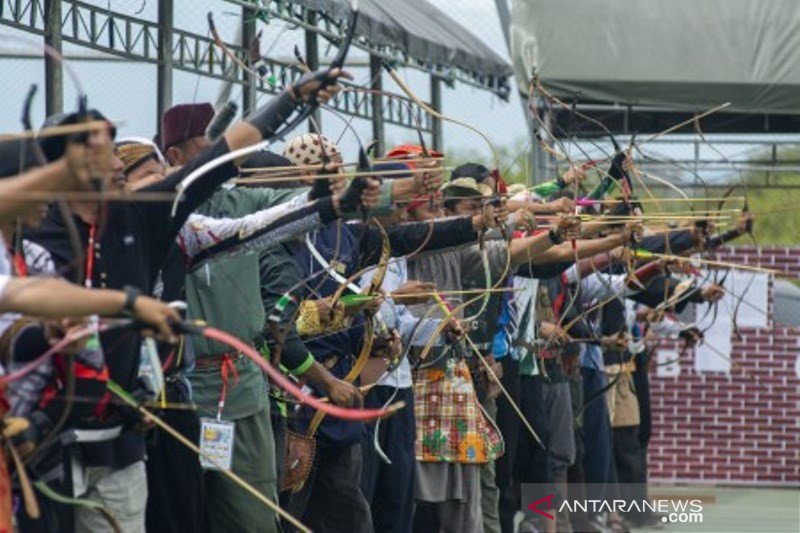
(309, 148)
(134, 154)
(183, 122)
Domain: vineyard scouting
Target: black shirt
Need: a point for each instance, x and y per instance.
(130, 247)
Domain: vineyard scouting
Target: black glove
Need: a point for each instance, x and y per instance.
(351, 199)
(268, 118)
(624, 208)
(691, 335)
(320, 189)
(323, 76)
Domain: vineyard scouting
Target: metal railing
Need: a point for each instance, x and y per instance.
(136, 39)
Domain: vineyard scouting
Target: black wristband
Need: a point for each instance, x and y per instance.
(131, 294)
(327, 213)
(271, 116)
(562, 184)
(555, 238)
(718, 240)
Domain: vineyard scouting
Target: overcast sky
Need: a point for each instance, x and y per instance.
(127, 91)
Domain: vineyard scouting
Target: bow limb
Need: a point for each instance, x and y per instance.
(369, 326)
(428, 109)
(535, 86)
(304, 112)
(495, 161)
(216, 335)
(187, 182)
(344, 283)
(235, 478)
(662, 181)
(749, 230)
(445, 307)
(374, 289)
(386, 249)
(212, 27)
(86, 503)
(448, 313)
(77, 261)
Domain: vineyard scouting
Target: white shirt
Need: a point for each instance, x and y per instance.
(5, 267)
(412, 330)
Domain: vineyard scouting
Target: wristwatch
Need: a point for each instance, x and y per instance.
(131, 294)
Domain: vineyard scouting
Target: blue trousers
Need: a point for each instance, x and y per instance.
(598, 460)
(389, 488)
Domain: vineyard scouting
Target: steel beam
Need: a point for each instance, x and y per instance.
(166, 15)
(248, 35)
(53, 70)
(312, 60)
(168, 48)
(436, 104)
(378, 130)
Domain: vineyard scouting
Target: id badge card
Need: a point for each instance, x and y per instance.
(216, 443)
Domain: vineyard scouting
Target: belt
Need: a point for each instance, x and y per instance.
(94, 435)
(226, 363)
(215, 361)
(548, 354)
(484, 345)
(616, 368)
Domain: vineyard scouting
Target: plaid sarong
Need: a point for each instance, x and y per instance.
(451, 426)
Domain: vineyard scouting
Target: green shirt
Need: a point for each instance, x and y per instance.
(226, 294)
(546, 189)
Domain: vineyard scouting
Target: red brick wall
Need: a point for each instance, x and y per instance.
(742, 428)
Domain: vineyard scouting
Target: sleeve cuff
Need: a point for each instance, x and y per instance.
(304, 366)
(326, 211)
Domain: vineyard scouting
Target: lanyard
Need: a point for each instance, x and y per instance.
(90, 257)
(20, 266)
(227, 366)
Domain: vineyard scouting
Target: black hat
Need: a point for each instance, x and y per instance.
(265, 158)
(396, 170)
(475, 171)
(54, 146)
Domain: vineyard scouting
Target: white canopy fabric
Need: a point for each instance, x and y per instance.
(680, 53)
(420, 30)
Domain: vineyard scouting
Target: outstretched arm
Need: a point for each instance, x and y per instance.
(55, 298)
